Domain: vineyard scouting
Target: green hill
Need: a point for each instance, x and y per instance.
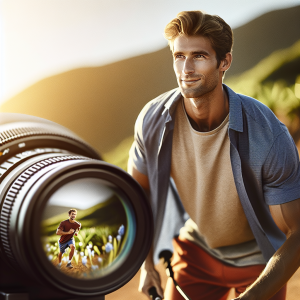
(108, 213)
(275, 81)
(268, 70)
(257, 39)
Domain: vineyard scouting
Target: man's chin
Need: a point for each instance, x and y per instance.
(194, 92)
(190, 94)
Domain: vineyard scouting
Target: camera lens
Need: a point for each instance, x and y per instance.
(45, 171)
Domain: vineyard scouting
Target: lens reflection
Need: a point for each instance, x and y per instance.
(95, 237)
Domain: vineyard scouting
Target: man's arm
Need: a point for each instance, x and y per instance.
(77, 230)
(149, 276)
(60, 232)
(286, 260)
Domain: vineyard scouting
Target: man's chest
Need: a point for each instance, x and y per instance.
(68, 225)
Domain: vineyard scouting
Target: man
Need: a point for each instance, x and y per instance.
(234, 165)
(67, 229)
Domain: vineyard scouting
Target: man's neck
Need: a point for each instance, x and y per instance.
(207, 112)
(71, 221)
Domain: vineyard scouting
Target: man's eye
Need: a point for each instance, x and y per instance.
(199, 56)
(179, 56)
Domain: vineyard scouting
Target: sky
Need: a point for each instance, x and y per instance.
(41, 38)
(72, 193)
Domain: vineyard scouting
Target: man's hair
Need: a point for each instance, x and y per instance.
(196, 22)
(71, 210)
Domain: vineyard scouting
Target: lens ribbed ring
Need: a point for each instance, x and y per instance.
(17, 133)
(14, 134)
(12, 194)
(12, 161)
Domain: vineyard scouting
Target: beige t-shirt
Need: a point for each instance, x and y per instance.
(202, 173)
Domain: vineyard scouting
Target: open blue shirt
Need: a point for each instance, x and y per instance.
(264, 160)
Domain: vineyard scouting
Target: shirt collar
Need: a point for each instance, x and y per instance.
(235, 108)
(172, 103)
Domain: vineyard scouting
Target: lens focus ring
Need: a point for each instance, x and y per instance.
(17, 133)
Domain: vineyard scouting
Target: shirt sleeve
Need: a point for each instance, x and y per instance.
(61, 226)
(137, 155)
(281, 172)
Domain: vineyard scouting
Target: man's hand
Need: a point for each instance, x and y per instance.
(71, 231)
(150, 278)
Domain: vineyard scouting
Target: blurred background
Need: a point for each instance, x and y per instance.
(92, 65)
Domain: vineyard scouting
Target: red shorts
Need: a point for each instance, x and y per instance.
(202, 276)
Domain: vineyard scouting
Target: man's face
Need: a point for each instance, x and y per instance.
(73, 215)
(195, 66)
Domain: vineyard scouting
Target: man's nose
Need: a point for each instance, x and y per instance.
(188, 66)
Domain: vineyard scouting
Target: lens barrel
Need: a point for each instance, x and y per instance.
(40, 160)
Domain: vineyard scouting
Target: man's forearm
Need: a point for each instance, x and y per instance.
(60, 232)
(149, 263)
(277, 272)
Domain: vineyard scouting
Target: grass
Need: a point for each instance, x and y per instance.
(96, 249)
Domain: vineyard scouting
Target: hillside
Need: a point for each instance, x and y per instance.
(108, 213)
(99, 104)
(282, 64)
(262, 36)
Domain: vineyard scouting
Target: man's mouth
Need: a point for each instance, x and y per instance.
(190, 81)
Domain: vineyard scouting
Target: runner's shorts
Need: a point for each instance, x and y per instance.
(64, 246)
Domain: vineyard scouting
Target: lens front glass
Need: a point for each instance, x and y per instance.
(93, 240)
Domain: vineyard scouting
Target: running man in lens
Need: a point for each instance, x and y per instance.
(67, 229)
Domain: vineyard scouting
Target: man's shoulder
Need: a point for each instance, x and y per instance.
(154, 112)
(250, 102)
(63, 223)
(78, 223)
(261, 114)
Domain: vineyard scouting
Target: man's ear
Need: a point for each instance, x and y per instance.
(226, 62)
